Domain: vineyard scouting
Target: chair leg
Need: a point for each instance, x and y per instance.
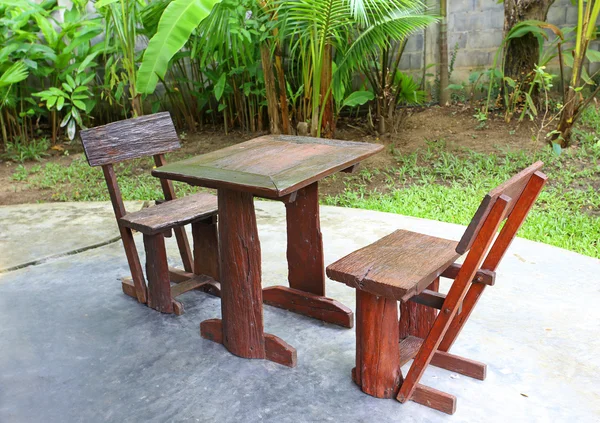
(206, 248)
(157, 270)
(377, 369)
(184, 248)
(417, 319)
(429, 348)
(137, 287)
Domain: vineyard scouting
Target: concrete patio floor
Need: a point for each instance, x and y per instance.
(74, 348)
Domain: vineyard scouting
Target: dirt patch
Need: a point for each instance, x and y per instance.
(454, 127)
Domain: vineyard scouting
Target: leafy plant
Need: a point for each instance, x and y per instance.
(74, 98)
(19, 151)
(350, 31)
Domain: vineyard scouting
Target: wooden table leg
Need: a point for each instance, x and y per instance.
(306, 270)
(241, 328)
(377, 369)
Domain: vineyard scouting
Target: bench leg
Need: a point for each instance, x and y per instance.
(206, 248)
(377, 369)
(157, 271)
(417, 319)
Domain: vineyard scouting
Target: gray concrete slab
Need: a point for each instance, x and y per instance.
(31, 233)
(73, 348)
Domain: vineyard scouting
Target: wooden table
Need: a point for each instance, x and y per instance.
(284, 168)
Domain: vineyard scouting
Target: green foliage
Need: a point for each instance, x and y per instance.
(349, 34)
(75, 98)
(175, 27)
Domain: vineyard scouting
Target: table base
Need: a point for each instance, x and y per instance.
(307, 304)
(275, 349)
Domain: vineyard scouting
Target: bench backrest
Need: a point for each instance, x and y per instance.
(130, 139)
(513, 188)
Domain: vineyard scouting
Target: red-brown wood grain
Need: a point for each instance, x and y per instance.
(435, 399)
(130, 139)
(307, 304)
(206, 247)
(399, 265)
(180, 234)
(417, 319)
(271, 166)
(157, 271)
(521, 208)
(171, 214)
(377, 345)
(306, 268)
(454, 297)
(511, 188)
(240, 270)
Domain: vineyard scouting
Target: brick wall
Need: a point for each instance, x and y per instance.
(476, 26)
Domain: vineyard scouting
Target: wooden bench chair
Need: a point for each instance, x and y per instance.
(406, 266)
(140, 137)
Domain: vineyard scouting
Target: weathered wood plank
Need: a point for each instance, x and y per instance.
(279, 351)
(270, 166)
(416, 319)
(397, 266)
(306, 267)
(206, 247)
(194, 283)
(511, 188)
(435, 399)
(464, 366)
(171, 214)
(307, 304)
(240, 270)
(409, 347)
(377, 345)
(157, 270)
(212, 329)
(484, 276)
(130, 139)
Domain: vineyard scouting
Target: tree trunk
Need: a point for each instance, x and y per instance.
(328, 123)
(271, 91)
(443, 43)
(285, 120)
(521, 54)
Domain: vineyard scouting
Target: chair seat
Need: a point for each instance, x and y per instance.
(399, 265)
(171, 214)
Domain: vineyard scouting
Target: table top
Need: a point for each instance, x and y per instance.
(271, 166)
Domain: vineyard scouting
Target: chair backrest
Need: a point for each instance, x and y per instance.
(130, 139)
(513, 188)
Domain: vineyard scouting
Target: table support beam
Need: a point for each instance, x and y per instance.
(241, 329)
(306, 267)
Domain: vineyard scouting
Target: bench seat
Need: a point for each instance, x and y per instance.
(171, 214)
(399, 265)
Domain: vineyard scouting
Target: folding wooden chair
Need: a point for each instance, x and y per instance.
(140, 137)
(406, 266)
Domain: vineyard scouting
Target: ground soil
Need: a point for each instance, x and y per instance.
(454, 126)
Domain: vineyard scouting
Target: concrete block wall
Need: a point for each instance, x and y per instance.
(475, 28)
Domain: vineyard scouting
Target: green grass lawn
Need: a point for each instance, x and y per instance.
(432, 183)
(566, 215)
(435, 184)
